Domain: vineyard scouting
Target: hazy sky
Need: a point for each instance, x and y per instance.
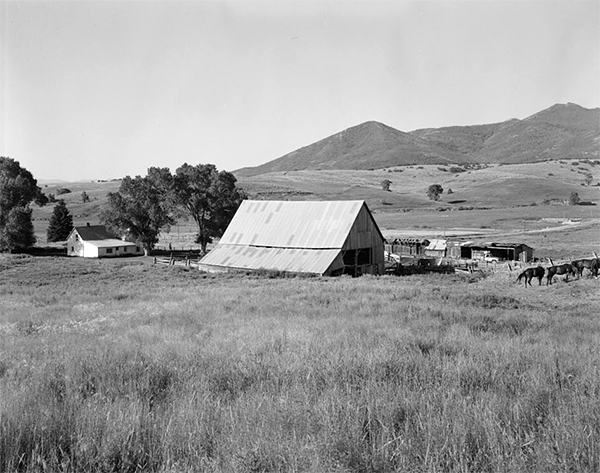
(102, 89)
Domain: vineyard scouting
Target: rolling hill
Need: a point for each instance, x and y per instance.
(563, 131)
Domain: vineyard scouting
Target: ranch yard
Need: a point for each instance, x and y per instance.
(119, 365)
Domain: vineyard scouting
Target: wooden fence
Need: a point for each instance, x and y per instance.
(191, 259)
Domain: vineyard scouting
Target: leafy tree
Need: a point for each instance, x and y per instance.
(450, 191)
(17, 233)
(589, 177)
(574, 198)
(85, 198)
(141, 208)
(210, 197)
(60, 224)
(385, 184)
(434, 191)
(18, 189)
(62, 190)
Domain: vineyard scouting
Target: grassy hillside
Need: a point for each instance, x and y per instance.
(563, 131)
(121, 366)
(486, 201)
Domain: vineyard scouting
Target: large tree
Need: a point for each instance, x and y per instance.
(141, 208)
(18, 189)
(210, 197)
(60, 224)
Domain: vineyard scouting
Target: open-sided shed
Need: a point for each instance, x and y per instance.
(323, 237)
(501, 251)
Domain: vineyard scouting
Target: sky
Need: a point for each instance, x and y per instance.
(102, 89)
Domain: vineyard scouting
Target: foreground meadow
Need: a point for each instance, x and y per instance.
(112, 366)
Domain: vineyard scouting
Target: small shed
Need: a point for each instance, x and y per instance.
(407, 246)
(315, 237)
(437, 248)
(95, 241)
(501, 251)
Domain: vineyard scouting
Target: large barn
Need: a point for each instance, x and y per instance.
(94, 241)
(326, 238)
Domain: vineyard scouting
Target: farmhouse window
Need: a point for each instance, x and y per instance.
(137, 249)
(124, 249)
(108, 251)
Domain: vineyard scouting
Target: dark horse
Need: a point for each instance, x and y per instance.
(531, 273)
(566, 268)
(592, 264)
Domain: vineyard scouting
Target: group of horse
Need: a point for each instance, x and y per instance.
(574, 268)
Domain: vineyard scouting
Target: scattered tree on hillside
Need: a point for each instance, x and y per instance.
(60, 224)
(85, 198)
(62, 190)
(18, 189)
(385, 184)
(450, 191)
(51, 198)
(434, 191)
(210, 197)
(141, 208)
(588, 178)
(574, 198)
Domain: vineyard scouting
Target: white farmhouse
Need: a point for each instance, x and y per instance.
(94, 241)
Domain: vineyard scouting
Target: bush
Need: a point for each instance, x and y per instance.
(62, 190)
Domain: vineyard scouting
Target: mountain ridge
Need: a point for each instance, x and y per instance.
(562, 131)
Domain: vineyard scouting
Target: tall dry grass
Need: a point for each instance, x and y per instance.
(118, 366)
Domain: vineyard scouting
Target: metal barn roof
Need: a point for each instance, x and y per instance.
(292, 224)
(293, 260)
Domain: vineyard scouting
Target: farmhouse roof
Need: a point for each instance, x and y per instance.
(94, 232)
(293, 224)
(99, 236)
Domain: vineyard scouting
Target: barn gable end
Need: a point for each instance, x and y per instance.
(324, 237)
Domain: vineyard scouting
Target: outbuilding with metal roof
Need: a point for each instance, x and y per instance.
(315, 237)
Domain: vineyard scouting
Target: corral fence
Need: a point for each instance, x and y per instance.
(178, 258)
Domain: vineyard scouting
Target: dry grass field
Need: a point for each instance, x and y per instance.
(122, 366)
(118, 365)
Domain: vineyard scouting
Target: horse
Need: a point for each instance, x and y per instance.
(565, 268)
(592, 264)
(531, 273)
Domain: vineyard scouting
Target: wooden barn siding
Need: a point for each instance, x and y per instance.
(364, 234)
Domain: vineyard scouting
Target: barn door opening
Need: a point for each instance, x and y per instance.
(354, 260)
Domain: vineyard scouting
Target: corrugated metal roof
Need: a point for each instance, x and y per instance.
(436, 245)
(292, 224)
(293, 260)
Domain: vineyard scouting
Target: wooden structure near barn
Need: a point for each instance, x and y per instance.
(95, 241)
(323, 237)
(407, 246)
(499, 251)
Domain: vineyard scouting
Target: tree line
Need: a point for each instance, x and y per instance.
(142, 208)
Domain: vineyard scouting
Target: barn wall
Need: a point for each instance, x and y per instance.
(365, 234)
